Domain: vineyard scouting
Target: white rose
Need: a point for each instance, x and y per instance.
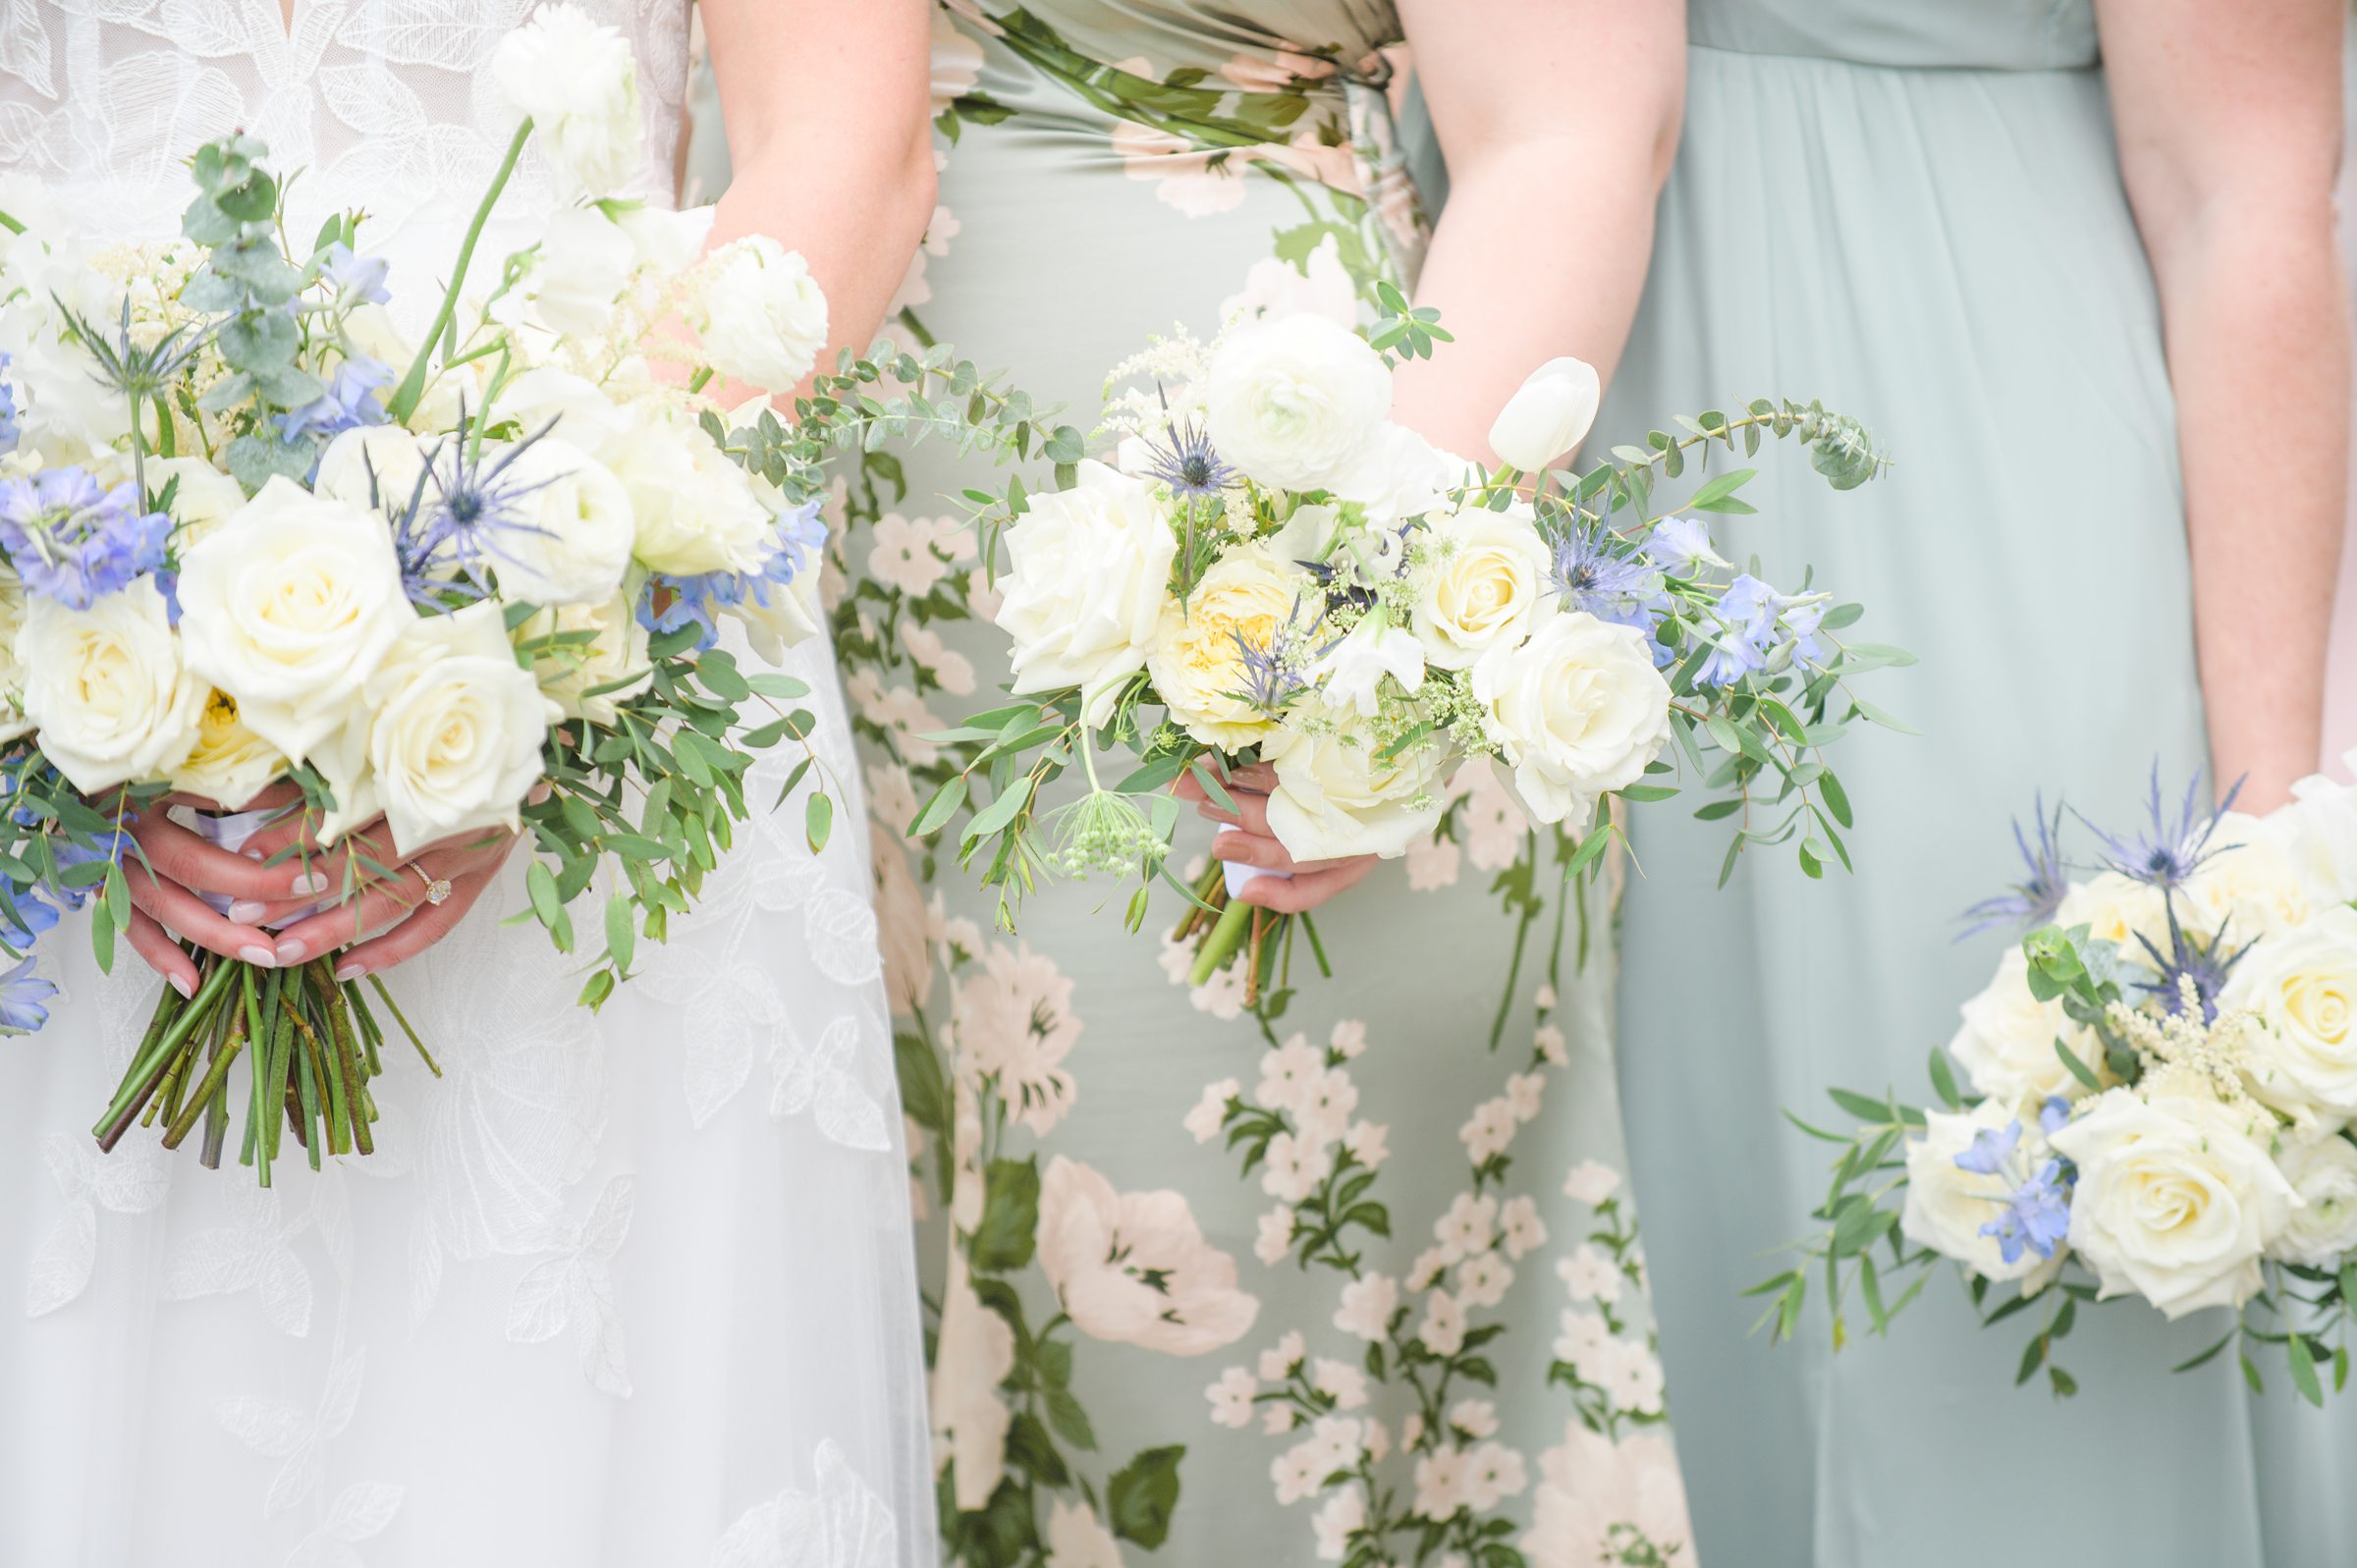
(374, 466)
(2006, 1043)
(697, 512)
(1248, 599)
(2251, 886)
(578, 82)
(1295, 402)
(1577, 711)
(1548, 414)
(2176, 1197)
(1333, 799)
(107, 688)
(289, 607)
(586, 262)
(206, 499)
(2302, 984)
(1947, 1205)
(1088, 578)
(573, 541)
(1320, 286)
(230, 764)
(2322, 1231)
(455, 737)
(2120, 910)
(1479, 586)
(1400, 476)
(758, 313)
(2321, 824)
(570, 673)
(1350, 673)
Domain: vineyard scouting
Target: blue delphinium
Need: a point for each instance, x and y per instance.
(2032, 902)
(73, 540)
(1681, 547)
(1989, 1149)
(2168, 850)
(802, 533)
(23, 998)
(12, 423)
(1588, 573)
(33, 915)
(2054, 1113)
(2037, 1215)
(358, 280)
(1746, 613)
(349, 401)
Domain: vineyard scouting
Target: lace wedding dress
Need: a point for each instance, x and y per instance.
(623, 1291)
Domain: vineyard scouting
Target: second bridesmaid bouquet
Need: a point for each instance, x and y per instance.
(1270, 569)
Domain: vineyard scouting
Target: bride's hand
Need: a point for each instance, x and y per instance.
(174, 865)
(1247, 841)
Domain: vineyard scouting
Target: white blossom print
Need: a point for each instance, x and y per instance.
(131, 1181)
(839, 1524)
(575, 1289)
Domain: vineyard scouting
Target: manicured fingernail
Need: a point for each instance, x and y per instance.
(246, 912)
(310, 881)
(252, 854)
(259, 958)
(289, 951)
(182, 984)
(351, 972)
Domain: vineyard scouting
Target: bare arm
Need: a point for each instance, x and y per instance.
(1557, 146)
(829, 137)
(2230, 123)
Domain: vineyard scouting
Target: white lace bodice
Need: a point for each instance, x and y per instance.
(385, 104)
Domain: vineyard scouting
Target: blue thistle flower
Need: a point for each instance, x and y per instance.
(1589, 572)
(1274, 674)
(2032, 902)
(2170, 849)
(75, 541)
(23, 998)
(1186, 461)
(448, 533)
(2207, 966)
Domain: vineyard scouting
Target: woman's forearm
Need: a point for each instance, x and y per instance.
(2258, 346)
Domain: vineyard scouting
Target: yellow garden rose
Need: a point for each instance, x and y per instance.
(1246, 600)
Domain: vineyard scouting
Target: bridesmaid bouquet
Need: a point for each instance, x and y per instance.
(2155, 1097)
(262, 551)
(1271, 570)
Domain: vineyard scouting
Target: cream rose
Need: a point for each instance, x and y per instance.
(2320, 825)
(289, 607)
(1297, 402)
(1087, 581)
(1576, 710)
(374, 466)
(2006, 1043)
(455, 736)
(2251, 885)
(2176, 1198)
(1248, 599)
(1947, 1205)
(230, 764)
(2323, 1229)
(1480, 584)
(576, 529)
(1333, 797)
(578, 82)
(107, 687)
(696, 510)
(2117, 909)
(572, 675)
(758, 313)
(2302, 984)
(205, 497)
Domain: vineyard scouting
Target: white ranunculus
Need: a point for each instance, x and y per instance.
(1479, 586)
(696, 509)
(455, 735)
(1295, 402)
(571, 408)
(2176, 1197)
(1088, 576)
(578, 82)
(666, 239)
(573, 542)
(1248, 599)
(1350, 673)
(758, 313)
(2302, 984)
(375, 466)
(1577, 711)
(2320, 825)
(1333, 799)
(1548, 414)
(107, 687)
(1401, 476)
(1275, 286)
(584, 265)
(289, 607)
(230, 764)
(1947, 1205)
(205, 497)
(2006, 1043)
(2322, 1231)
(617, 653)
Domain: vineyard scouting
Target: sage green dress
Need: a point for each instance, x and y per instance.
(1912, 209)
(1418, 1323)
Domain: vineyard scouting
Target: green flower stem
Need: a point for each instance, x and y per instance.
(206, 1091)
(1226, 936)
(148, 1070)
(412, 385)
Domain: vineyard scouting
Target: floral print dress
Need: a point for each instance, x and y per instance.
(1352, 1276)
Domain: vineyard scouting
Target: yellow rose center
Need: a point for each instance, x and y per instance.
(2320, 1004)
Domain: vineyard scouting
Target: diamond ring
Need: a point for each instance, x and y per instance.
(437, 888)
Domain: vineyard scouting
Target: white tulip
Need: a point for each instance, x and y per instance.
(1548, 414)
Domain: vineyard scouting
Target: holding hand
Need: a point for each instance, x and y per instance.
(1249, 842)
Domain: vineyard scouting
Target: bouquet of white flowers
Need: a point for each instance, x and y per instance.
(259, 547)
(1270, 569)
(2153, 1098)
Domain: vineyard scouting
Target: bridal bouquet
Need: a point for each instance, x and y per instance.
(261, 546)
(2156, 1099)
(1270, 569)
